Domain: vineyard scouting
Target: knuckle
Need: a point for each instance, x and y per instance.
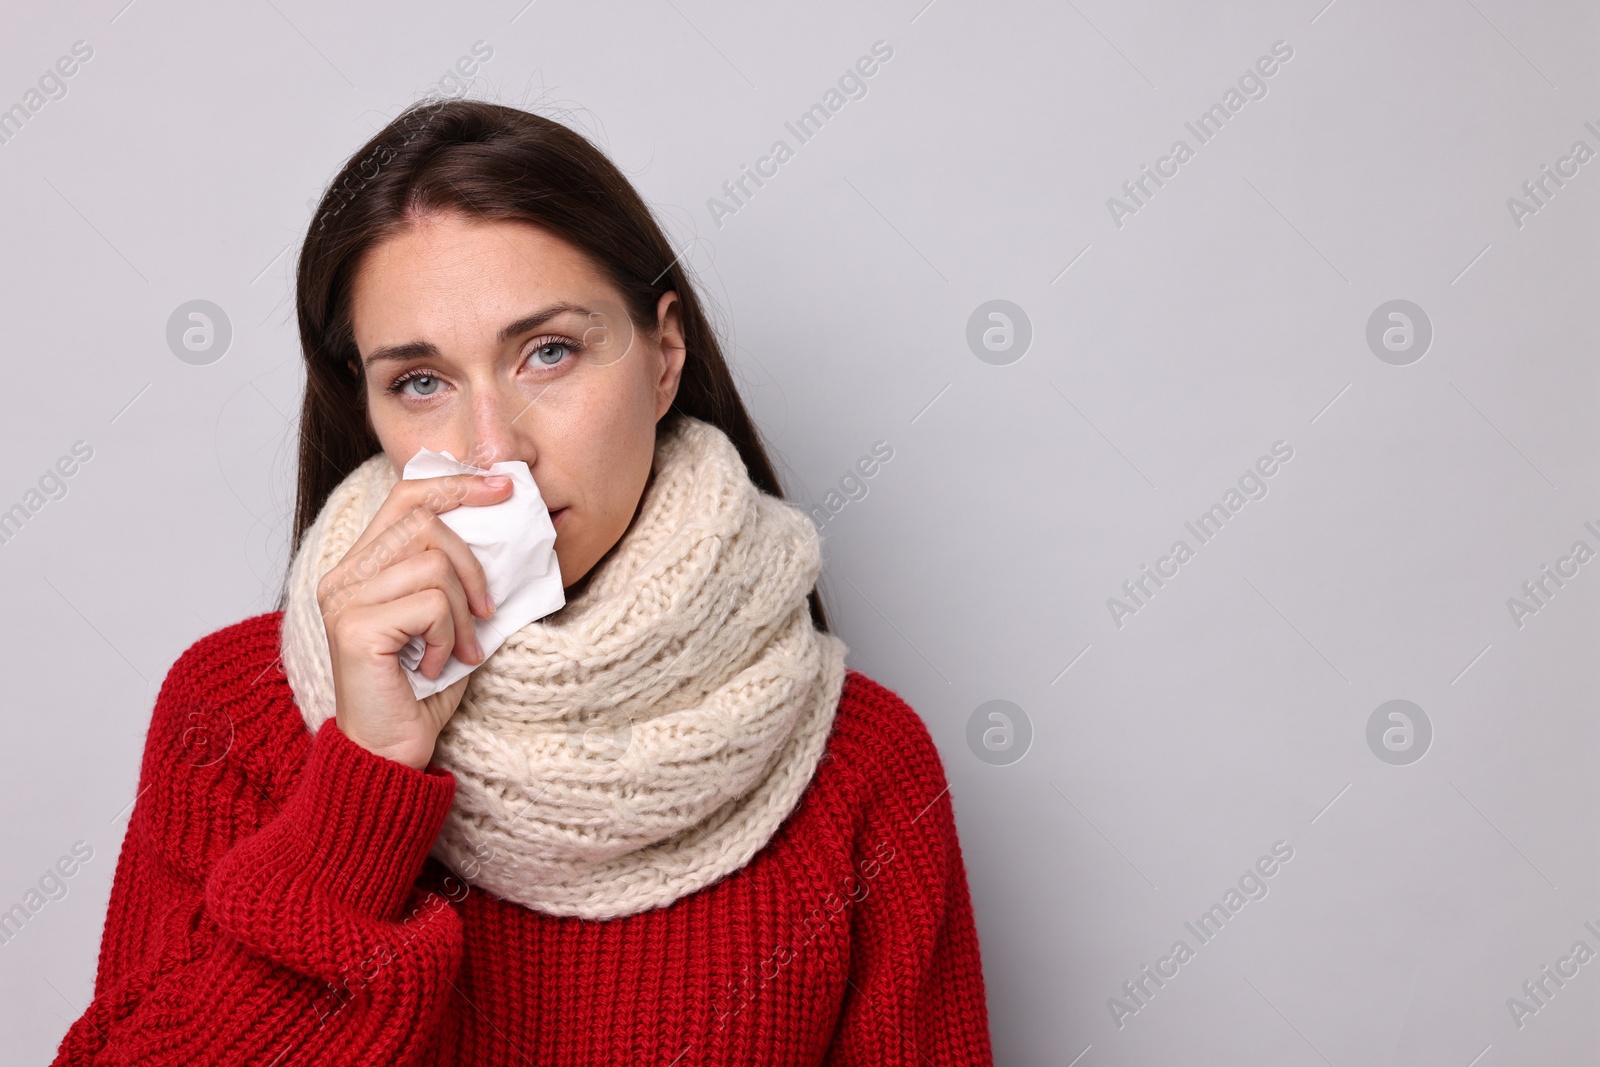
(338, 626)
(330, 594)
(438, 565)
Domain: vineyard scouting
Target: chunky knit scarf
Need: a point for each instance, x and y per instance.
(649, 737)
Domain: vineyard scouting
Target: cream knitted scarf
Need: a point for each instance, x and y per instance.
(649, 737)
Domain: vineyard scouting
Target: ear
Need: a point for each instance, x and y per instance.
(669, 330)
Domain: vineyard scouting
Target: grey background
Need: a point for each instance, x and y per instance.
(1228, 313)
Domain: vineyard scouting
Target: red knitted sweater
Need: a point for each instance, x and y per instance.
(274, 903)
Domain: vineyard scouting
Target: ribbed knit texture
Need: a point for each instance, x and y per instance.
(690, 650)
(275, 903)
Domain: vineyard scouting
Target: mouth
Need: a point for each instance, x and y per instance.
(556, 516)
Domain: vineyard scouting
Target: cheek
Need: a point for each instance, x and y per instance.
(614, 480)
(610, 438)
(607, 482)
(399, 442)
(605, 451)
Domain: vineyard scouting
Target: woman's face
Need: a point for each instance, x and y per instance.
(500, 341)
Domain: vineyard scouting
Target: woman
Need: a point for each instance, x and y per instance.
(664, 824)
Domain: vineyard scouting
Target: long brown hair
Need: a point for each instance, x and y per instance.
(497, 163)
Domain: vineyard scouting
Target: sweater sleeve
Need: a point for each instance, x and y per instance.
(244, 929)
(914, 994)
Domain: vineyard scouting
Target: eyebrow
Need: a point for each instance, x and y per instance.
(428, 350)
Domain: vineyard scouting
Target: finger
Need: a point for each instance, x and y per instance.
(341, 586)
(416, 531)
(413, 501)
(388, 551)
(430, 569)
(384, 629)
(443, 704)
(424, 614)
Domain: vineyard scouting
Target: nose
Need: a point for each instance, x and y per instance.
(497, 422)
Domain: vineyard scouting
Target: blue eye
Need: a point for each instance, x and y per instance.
(399, 384)
(544, 352)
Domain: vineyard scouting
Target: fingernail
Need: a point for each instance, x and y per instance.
(496, 481)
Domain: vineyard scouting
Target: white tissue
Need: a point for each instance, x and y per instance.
(514, 540)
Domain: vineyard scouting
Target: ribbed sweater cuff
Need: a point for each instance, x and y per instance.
(368, 821)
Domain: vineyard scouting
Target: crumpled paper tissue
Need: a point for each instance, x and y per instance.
(514, 541)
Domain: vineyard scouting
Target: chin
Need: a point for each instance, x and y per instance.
(575, 586)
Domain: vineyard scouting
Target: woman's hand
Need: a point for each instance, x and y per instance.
(408, 574)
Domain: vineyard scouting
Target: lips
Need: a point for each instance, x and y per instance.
(555, 516)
